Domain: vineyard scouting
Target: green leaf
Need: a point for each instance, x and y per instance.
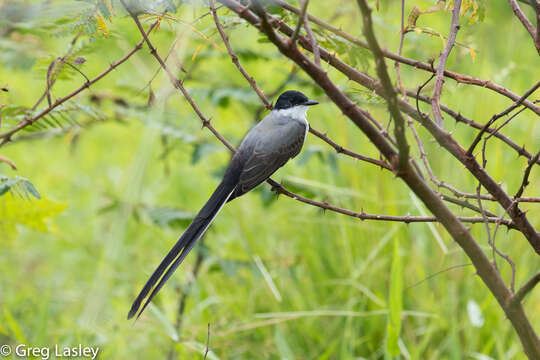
(17, 185)
(32, 189)
(104, 9)
(37, 215)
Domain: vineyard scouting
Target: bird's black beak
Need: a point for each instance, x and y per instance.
(311, 102)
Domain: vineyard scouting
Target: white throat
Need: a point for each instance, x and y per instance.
(296, 112)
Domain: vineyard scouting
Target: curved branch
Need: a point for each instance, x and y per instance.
(522, 18)
(391, 95)
(525, 289)
(439, 77)
(234, 59)
(341, 150)
(526, 174)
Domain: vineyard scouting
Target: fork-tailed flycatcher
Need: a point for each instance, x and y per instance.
(266, 147)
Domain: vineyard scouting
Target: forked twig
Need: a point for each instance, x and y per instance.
(439, 75)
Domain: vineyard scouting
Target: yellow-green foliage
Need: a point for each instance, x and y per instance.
(36, 214)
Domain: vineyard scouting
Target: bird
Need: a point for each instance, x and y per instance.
(265, 148)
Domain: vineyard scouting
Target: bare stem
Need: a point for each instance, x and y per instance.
(301, 17)
(439, 77)
(535, 33)
(526, 174)
(525, 289)
(9, 162)
(391, 96)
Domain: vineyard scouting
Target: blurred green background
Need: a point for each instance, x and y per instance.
(119, 182)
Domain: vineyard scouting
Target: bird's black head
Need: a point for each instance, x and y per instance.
(291, 99)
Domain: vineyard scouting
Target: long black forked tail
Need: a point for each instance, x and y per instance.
(183, 246)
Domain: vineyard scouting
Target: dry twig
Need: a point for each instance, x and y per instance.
(9, 162)
(439, 75)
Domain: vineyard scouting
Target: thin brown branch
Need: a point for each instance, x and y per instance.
(525, 289)
(439, 75)
(491, 242)
(436, 181)
(6, 135)
(77, 70)
(391, 95)
(9, 162)
(523, 19)
(465, 204)
(234, 59)
(461, 78)
(501, 114)
(442, 184)
(491, 198)
(417, 95)
(498, 129)
(536, 6)
(341, 150)
(49, 85)
(435, 274)
(526, 174)
(207, 342)
(400, 49)
(407, 219)
(312, 39)
(170, 52)
(301, 17)
(176, 83)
